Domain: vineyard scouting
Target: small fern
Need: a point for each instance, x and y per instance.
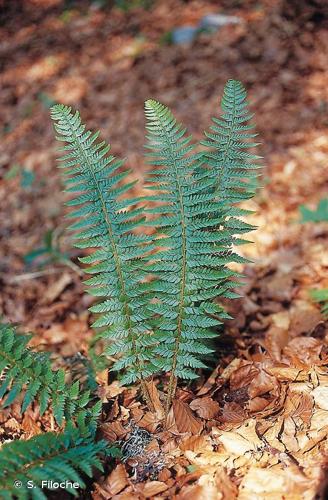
(320, 214)
(105, 223)
(28, 468)
(159, 309)
(28, 372)
(321, 297)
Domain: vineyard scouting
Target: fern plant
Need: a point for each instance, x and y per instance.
(321, 297)
(28, 468)
(320, 214)
(30, 373)
(162, 325)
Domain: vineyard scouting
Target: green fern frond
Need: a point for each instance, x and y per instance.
(191, 265)
(320, 214)
(106, 223)
(26, 372)
(27, 468)
(236, 170)
(321, 297)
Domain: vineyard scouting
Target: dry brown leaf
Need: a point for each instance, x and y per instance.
(56, 288)
(184, 418)
(299, 404)
(149, 422)
(263, 383)
(153, 488)
(257, 404)
(227, 489)
(288, 436)
(278, 287)
(274, 483)
(154, 396)
(304, 350)
(275, 340)
(320, 395)
(196, 444)
(233, 412)
(286, 373)
(243, 376)
(30, 425)
(304, 318)
(194, 492)
(242, 440)
(113, 430)
(205, 408)
(117, 480)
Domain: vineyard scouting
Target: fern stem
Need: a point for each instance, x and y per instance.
(173, 380)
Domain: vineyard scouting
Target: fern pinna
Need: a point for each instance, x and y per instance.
(106, 221)
(29, 468)
(30, 373)
(191, 266)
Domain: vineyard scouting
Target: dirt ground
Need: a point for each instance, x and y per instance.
(258, 425)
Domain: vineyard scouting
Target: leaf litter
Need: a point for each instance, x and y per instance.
(256, 427)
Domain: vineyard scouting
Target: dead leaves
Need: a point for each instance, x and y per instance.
(182, 417)
(205, 408)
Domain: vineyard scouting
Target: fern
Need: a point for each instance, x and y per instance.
(163, 325)
(105, 223)
(236, 170)
(321, 296)
(320, 214)
(30, 373)
(29, 467)
(191, 267)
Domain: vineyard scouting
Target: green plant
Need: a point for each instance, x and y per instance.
(159, 309)
(321, 296)
(30, 373)
(106, 221)
(320, 214)
(199, 220)
(27, 466)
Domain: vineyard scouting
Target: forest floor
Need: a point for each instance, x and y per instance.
(257, 426)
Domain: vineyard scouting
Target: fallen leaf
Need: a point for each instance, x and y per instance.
(305, 350)
(320, 395)
(184, 419)
(243, 376)
(242, 440)
(205, 408)
(233, 413)
(227, 489)
(56, 288)
(153, 488)
(117, 480)
(196, 444)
